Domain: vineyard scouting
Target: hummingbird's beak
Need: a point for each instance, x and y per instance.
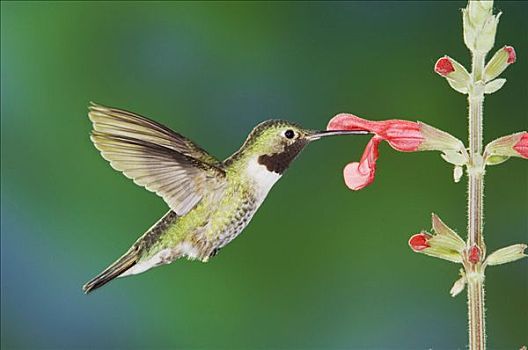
(316, 135)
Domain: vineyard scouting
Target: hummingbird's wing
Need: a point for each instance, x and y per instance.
(155, 157)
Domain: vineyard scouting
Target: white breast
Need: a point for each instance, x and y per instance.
(164, 256)
(263, 178)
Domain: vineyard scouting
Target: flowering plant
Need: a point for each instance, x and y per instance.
(479, 25)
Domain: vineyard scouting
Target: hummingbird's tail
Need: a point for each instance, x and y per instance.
(120, 266)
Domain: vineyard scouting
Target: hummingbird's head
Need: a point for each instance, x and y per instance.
(274, 144)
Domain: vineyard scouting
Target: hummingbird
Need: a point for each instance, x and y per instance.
(210, 201)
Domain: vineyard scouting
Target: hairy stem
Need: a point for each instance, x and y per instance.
(477, 325)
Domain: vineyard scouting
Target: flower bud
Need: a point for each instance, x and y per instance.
(444, 243)
(444, 66)
(418, 242)
(479, 11)
(474, 254)
(499, 150)
(507, 254)
(480, 26)
(434, 245)
(499, 62)
(457, 76)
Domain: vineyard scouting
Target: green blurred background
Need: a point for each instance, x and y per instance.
(319, 267)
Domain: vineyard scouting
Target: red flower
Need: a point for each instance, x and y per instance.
(402, 135)
(521, 146)
(444, 66)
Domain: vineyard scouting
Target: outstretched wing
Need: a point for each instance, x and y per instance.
(155, 157)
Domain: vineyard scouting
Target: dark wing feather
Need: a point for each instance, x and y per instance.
(155, 157)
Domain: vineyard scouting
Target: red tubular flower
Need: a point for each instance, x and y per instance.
(402, 135)
(521, 146)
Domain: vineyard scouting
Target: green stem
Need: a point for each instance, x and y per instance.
(476, 315)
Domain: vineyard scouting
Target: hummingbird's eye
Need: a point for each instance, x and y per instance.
(289, 134)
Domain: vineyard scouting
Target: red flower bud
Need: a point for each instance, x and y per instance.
(474, 254)
(512, 57)
(521, 146)
(514, 145)
(456, 75)
(443, 243)
(418, 242)
(444, 66)
(499, 62)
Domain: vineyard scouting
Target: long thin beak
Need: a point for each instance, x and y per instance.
(316, 135)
